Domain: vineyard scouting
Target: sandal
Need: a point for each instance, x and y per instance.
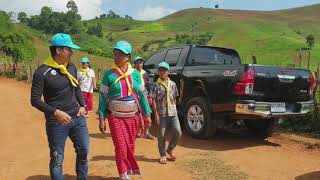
(172, 156)
(163, 160)
(149, 136)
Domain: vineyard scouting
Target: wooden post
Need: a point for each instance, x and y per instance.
(30, 73)
(309, 58)
(317, 81)
(254, 59)
(300, 57)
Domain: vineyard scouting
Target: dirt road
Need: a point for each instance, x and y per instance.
(25, 153)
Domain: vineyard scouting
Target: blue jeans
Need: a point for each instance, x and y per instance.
(57, 134)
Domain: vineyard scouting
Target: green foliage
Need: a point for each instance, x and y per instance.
(96, 30)
(22, 17)
(71, 5)
(152, 27)
(54, 22)
(15, 44)
(199, 39)
(93, 45)
(112, 14)
(310, 41)
(9, 74)
(23, 76)
(308, 124)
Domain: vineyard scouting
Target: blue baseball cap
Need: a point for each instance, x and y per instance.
(123, 46)
(164, 65)
(137, 59)
(85, 60)
(63, 40)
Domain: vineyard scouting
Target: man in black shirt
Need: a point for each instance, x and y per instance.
(63, 106)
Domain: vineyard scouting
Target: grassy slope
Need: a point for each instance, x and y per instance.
(42, 44)
(271, 36)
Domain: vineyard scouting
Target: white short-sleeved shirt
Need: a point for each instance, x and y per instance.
(86, 82)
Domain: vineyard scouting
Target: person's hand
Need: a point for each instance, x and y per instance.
(157, 118)
(102, 125)
(62, 117)
(82, 111)
(142, 127)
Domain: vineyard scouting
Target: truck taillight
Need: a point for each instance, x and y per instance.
(311, 79)
(246, 83)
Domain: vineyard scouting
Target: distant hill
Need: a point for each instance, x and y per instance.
(273, 36)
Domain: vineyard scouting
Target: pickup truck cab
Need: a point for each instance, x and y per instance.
(216, 90)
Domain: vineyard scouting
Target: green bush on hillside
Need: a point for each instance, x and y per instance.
(198, 39)
(93, 45)
(17, 45)
(309, 123)
(52, 22)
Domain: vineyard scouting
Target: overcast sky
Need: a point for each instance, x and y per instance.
(146, 9)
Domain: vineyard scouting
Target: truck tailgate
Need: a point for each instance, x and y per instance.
(281, 84)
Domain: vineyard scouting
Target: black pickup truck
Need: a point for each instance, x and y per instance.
(216, 90)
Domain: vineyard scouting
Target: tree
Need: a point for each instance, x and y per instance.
(112, 14)
(3, 13)
(17, 45)
(22, 17)
(53, 22)
(128, 17)
(216, 6)
(71, 5)
(102, 16)
(310, 43)
(96, 30)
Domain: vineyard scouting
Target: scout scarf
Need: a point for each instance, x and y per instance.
(84, 71)
(124, 76)
(63, 69)
(141, 74)
(167, 87)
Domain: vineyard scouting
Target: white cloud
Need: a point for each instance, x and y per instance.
(87, 8)
(153, 13)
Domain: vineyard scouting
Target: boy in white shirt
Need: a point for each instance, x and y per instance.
(87, 82)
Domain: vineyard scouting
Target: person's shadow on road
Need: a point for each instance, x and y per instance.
(309, 176)
(70, 177)
(112, 158)
(100, 135)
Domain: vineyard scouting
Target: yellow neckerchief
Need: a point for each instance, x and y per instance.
(124, 75)
(167, 87)
(84, 71)
(63, 69)
(142, 72)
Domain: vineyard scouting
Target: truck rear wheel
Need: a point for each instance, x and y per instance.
(260, 127)
(198, 118)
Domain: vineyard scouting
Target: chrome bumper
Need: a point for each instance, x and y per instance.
(263, 109)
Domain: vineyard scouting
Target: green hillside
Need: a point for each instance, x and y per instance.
(41, 44)
(273, 36)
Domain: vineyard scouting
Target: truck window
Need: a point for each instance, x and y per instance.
(155, 58)
(211, 56)
(173, 56)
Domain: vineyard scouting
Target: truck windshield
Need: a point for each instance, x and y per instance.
(212, 56)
